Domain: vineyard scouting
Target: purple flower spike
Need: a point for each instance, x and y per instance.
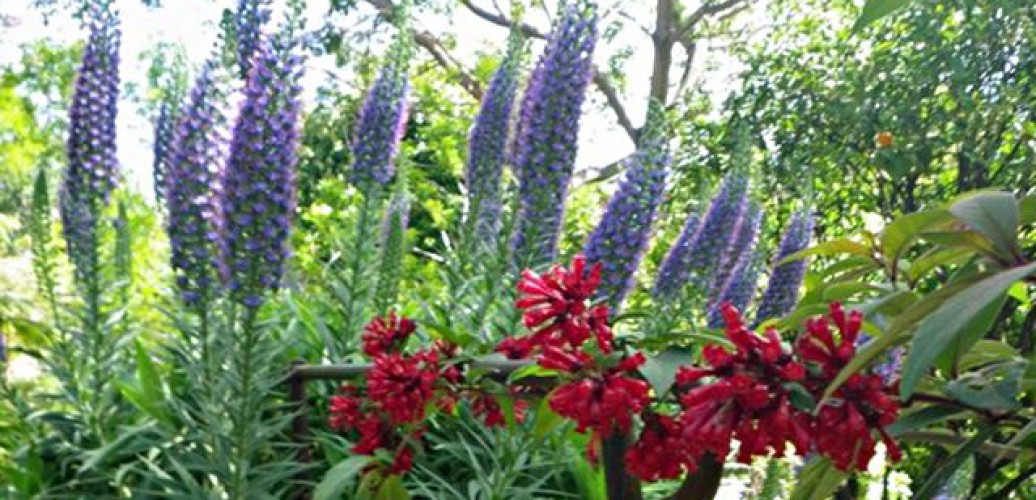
(742, 240)
(697, 251)
(739, 289)
(93, 170)
(785, 280)
(487, 145)
(546, 141)
(381, 122)
(192, 190)
(258, 197)
(165, 130)
(620, 239)
(249, 20)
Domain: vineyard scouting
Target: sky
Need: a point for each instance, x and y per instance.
(192, 23)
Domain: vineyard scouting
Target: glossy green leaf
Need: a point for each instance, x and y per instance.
(922, 418)
(531, 371)
(902, 231)
(832, 247)
(818, 480)
(976, 328)
(945, 325)
(660, 370)
(934, 258)
(941, 476)
(877, 9)
(995, 215)
(986, 352)
(898, 331)
(392, 489)
(1027, 210)
(962, 240)
(992, 388)
(340, 478)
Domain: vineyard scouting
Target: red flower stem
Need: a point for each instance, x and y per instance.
(704, 483)
(620, 484)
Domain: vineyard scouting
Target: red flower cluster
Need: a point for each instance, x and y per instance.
(601, 398)
(386, 333)
(557, 309)
(747, 398)
(659, 453)
(399, 389)
(487, 407)
(844, 426)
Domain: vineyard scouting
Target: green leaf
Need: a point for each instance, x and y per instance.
(942, 475)
(530, 371)
(877, 9)
(392, 489)
(660, 370)
(1029, 429)
(934, 258)
(992, 388)
(546, 420)
(902, 231)
(147, 374)
(945, 325)
(898, 332)
(976, 328)
(831, 247)
(965, 241)
(986, 352)
(340, 478)
(922, 418)
(818, 480)
(800, 397)
(995, 215)
(1027, 210)
(844, 290)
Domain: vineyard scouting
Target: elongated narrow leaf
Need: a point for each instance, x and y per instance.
(340, 478)
(877, 9)
(996, 216)
(818, 480)
(953, 462)
(976, 328)
(947, 324)
(899, 331)
(832, 247)
(896, 237)
(922, 418)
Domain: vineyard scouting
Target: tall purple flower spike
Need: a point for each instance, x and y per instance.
(258, 196)
(694, 257)
(782, 291)
(93, 169)
(738, 289)
(165, 130)
(249, 20)
(620, 239)
(546, 141)
(742, 240)
(192, 190)
(382, 121)
(487, 145)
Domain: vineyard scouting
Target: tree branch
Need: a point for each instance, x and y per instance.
(702, 12)
(434, 46)
(601, 80)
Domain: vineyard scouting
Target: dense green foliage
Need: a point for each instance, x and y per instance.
(909, 134)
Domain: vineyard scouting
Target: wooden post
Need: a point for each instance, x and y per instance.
(300, 423)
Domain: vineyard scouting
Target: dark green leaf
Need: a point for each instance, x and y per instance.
(660, 370)
(995, 215)
(899, 233)
(832, 247)
(992, 388)
(876, 9)
(976, 328)
(818, 480)
(946, 324)
(922, 418)
(940, 477)
(340, 478)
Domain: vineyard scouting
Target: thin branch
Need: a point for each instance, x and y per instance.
(435, 47)
(601, 80)
(942, 438)
(701, 13)
(691, 49)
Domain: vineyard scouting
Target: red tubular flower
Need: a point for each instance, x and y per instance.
(746, 398)
(603, 403)
(403, 386)
(515, 347)
(845, 425)
(386, 333)
(556, 303)
(659, 452)
(344, 410)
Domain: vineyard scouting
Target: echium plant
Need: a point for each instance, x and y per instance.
(487, 144)
(249, 20)
(165, 129)
(257, 200)
(620, 239)
(93, 169)
(785, 279)
(546, 140)
(702, 243)
(191, 193)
